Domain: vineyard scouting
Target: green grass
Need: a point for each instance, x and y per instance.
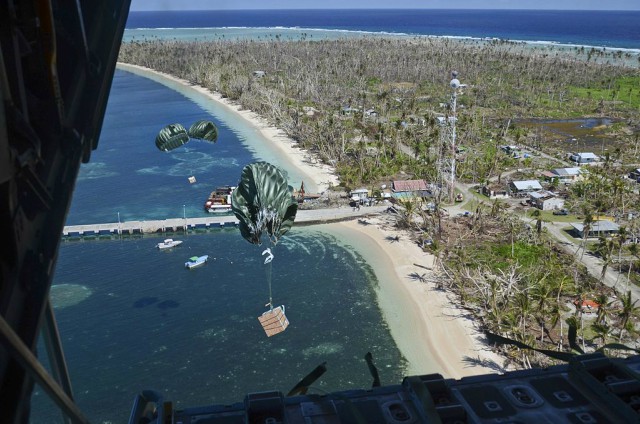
(499, 255)
(548, 216)
(624, 89)
(471, 204)
(524, 253)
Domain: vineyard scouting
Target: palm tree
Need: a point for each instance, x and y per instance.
(555, 315)
(409, 207)
(605, 248)
(601, 330)
(586, 227)
(603, 307)
(537, 213)
(523, 309)
(619, 190)
(572, 321)
(620, 239)
(633, 249)
(628, 310)
(542, 293)
(496, 207)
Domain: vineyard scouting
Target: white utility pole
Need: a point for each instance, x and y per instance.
(455, 84)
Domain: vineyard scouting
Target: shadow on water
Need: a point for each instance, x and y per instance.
(168, 304)
(144, 301)
(148, 301)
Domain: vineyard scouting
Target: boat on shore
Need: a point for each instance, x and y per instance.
(219, 201)
(168, 244)
(302, 196)
(196, 261)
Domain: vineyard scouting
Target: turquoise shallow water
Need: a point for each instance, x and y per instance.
(132, 317)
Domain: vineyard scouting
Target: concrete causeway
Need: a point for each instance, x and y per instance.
(171, 225)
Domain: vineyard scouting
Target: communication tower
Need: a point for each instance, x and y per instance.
(447, 168)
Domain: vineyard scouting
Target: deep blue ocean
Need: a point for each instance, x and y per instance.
(618, 29)
(133, 318)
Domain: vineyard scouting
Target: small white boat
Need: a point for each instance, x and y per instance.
(168, 243)
(196, 261)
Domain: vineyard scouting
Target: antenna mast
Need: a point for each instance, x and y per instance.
(451, 123)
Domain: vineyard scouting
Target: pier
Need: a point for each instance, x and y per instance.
(174, 225)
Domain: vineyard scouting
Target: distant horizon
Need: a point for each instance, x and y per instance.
(537, 5)
(385, 8)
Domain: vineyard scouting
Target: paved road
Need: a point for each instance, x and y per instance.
(593, 264)
(555, 229)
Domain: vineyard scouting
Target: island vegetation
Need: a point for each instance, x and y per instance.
(377, 110)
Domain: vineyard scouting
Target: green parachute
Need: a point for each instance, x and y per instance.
(175, 135)
(171, 137)
(263, 201)
(204, 130)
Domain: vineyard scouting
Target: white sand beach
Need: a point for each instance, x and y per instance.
(429, 330)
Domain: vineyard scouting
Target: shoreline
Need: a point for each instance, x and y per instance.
(341, 33)
(538, 47)
(430, 332)
(433, 334)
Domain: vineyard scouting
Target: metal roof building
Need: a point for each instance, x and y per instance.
(526, 186)
(598, 228)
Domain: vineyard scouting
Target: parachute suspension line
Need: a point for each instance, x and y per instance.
(276, 222)
(265, 219)
(268, 272)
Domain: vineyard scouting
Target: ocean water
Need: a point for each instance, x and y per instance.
(611, 29)
(128, 178)
(146, 322)
(132, 317)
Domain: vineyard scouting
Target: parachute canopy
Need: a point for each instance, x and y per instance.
(172, 136)
(204, 130)
(175, 135)
(263, 201)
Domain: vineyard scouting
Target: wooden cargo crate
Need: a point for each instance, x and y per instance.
(274, 321)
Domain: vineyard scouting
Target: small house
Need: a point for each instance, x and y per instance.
(410, 188)
(564, 175)
(359, 195)
(546, 200)
(495, 191)
(586, 305)
(522, 188)
(597, 228)
(584, 158)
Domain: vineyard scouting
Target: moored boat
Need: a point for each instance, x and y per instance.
(168, 244)
(219, 200)
(196, 261)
